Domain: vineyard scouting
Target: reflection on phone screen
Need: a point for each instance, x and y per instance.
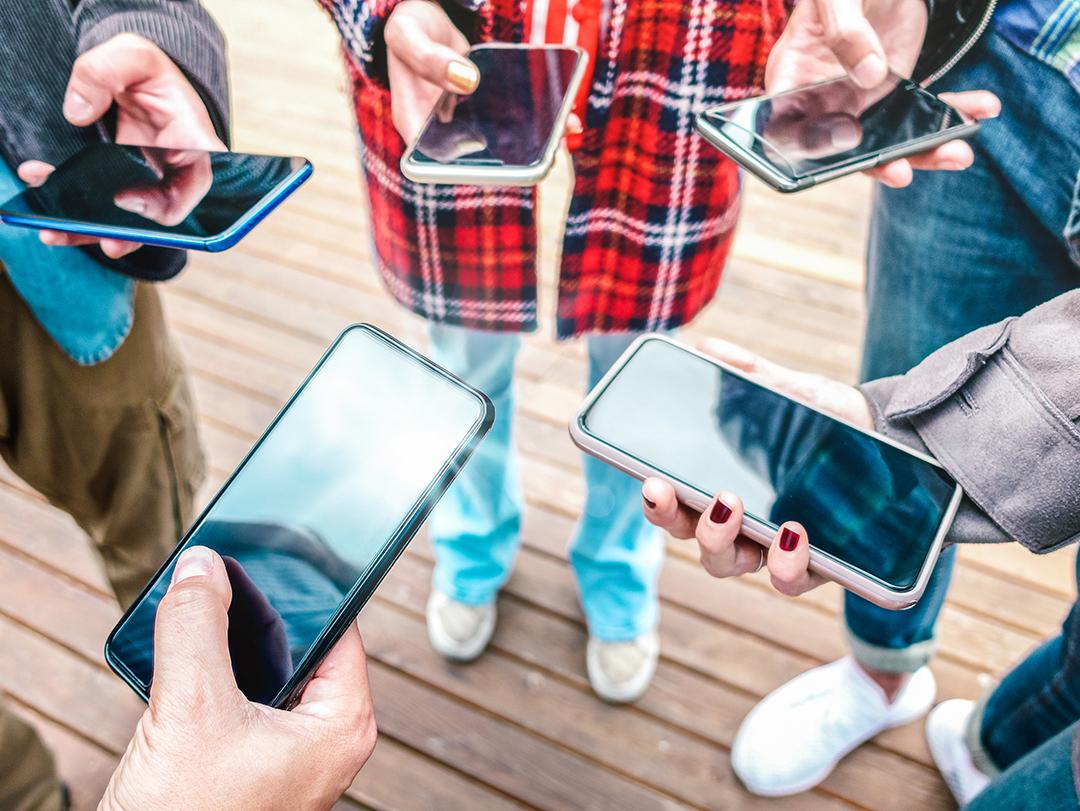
(319, 501)
(510, 117)
(863, 501)
(809, 129)
(184, 192)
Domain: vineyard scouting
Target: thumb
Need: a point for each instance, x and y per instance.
(410, 41)
(191, 648)
(853, 41)
(101, 74)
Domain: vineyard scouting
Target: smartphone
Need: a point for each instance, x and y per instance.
(507, 131)
(177, 198)
(876, 512)
(819, 132)
(317, 513)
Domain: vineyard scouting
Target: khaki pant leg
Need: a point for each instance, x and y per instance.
(28, 779)
(115, 445)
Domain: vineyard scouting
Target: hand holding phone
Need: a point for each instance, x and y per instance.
(205, 746)
(506, 132)
(313, 519)
(812, 134)
(178, 198)
(875, 512)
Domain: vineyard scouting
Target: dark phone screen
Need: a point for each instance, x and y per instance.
(820, 126)
(186, 192)
(323, 494)
(510, 117)
(863, 501)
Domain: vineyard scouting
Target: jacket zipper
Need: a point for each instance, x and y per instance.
(966, 46)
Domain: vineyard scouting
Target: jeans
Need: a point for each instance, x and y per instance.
(1024, 729)
(955, 251)
(615, 553)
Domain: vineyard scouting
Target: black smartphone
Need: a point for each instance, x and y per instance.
(319, 510)
(876, 512)
(507, 131)
(177, 198)
(819, 132)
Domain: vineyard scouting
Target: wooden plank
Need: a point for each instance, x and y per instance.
(61, 685)
(49, 536)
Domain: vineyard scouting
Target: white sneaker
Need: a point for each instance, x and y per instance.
(945, 728)
(795, 736)
(459, 631)
(621, 671)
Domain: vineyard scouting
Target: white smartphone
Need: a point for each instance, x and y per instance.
(876, 512)
(819, 132)
(507, 131)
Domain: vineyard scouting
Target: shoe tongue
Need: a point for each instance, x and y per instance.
(460, 621)
(621, 660)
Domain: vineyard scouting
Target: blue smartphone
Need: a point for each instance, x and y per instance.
(176, 198)
(316, 514)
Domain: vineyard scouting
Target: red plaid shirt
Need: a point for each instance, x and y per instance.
(654, 206)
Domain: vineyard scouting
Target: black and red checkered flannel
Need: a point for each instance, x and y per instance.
(654, 206)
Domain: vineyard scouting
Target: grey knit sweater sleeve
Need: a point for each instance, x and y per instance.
(999, 409)
(181, 28)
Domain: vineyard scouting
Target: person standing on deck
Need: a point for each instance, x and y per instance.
(646, 236)
(95, 408)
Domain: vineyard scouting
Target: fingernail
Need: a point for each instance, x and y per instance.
(789, 539)
(463, 76)
(720, 512)
(76, 108)
(870, 72)
(136, 205)
(198, 561)
(651, 504)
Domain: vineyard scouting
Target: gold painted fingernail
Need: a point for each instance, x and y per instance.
(463, 76)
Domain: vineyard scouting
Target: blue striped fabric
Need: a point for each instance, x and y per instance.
(1049, 30)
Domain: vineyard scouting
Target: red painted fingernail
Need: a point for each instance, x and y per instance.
(789, 539)
(720, 512)
(649, 502)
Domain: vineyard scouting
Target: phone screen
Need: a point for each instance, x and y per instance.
(330, 494)
(185, 193)
(510, 118)
(817, 127)
(863, 501)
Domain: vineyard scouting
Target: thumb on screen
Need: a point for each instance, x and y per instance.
(191, 648)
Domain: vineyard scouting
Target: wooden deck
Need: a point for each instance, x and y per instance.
(519, 729)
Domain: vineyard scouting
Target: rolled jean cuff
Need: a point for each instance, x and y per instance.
(622, 633)
(893, 660)
(473, 596)
(973, 738)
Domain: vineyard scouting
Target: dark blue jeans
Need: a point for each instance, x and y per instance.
(1025, 728)
(955, 251)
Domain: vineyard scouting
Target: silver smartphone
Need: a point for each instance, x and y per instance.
(507, 131)
(819, 132)
(315, 516)
(876, 512)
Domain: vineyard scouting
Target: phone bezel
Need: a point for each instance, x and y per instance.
(214, 243)
(374, 573)
(786, 183)
(479, 175)
(760, 530)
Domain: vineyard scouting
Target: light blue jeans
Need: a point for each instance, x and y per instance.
(955, 251)
(615, 553)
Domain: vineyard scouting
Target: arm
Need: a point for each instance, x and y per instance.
(998, 408)
(201, 744)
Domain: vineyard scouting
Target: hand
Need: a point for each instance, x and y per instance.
(156, 106)
(424, 58)
(825, 38)
(201, 744)
(724, 551)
